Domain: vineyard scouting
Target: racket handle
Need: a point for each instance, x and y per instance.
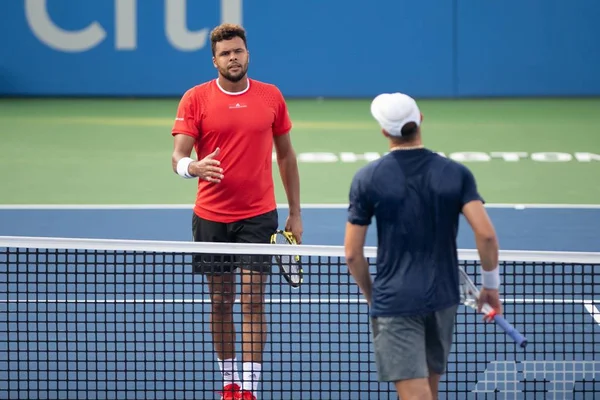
(511, 331)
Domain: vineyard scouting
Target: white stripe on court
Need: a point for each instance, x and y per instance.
(593, 310)
(298, 300)
(282, 206)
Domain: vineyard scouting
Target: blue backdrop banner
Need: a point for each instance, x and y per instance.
(310, 48)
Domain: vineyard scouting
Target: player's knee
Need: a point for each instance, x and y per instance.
(424, 394)
(222, 303)
(414, 389)
(419, 396)
(252, 303)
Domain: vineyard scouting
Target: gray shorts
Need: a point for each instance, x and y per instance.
(408, 347)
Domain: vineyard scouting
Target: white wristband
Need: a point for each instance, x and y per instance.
(490, 279)
(182, 167)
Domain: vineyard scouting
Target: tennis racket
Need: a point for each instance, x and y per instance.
(289, 265)
(469, 295)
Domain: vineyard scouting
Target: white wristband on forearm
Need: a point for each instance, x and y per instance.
(490, 279)
(182, 167)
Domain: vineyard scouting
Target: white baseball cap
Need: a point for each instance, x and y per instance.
(394, 110)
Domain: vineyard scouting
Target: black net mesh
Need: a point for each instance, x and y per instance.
(113, 324)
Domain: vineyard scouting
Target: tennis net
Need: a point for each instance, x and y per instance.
(121, 319)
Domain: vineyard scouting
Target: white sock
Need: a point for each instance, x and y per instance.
(229, 369)
(251, 376)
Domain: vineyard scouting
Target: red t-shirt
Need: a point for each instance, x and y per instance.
(242, 125)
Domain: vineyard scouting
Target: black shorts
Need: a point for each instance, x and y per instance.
(252, 230)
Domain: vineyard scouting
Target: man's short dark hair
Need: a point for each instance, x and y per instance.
(226, 32)
(409, 130)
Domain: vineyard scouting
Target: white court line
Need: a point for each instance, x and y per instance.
(593, 310)
(299, 300)
(281, 206)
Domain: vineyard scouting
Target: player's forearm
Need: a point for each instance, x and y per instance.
(175, 157)
(487, 246)
(359, 269)
(290, 177)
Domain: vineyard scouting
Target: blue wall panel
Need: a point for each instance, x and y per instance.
(532, 47)
(333, 48)
(343, 48)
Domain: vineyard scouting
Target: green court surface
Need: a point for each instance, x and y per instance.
(108, 151)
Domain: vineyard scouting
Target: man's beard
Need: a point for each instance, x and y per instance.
(237, 77)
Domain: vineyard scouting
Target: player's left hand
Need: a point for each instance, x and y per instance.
(293, 224)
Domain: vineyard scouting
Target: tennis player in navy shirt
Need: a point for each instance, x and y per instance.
(416, 197)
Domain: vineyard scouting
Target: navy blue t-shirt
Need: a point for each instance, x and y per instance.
(416, 197)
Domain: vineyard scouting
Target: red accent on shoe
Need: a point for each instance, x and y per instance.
(247, 395)
(231, 392)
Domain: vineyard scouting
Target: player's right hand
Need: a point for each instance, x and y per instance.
(492, 298)
(208, 168)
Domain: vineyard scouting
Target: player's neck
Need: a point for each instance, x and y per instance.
(233, 87)
(413, 144)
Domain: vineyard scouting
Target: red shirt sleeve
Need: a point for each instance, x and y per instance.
(283, 123)
(185, 120)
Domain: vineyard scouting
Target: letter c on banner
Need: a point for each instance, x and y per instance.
(57, 38)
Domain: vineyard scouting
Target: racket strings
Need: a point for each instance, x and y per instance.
(285, 260)
(288, 263)
(468, 292)
(280, 239)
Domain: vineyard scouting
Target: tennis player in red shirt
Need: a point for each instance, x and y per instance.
(233, 122)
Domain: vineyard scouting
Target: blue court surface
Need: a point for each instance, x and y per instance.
(548, 229)
(131, 327)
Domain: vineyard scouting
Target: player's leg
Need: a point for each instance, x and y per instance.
(222, 294)
(438, 341)
(255, 275)
(399, 345)
(219, 271)
(254, 326)
(434, 382)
